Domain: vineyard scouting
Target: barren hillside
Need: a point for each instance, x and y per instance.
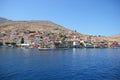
(2, 20)
(46, 26)
(41, 26)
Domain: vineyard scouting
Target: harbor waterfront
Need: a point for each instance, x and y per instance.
(54, 40)
(67, 64)
(47, 34)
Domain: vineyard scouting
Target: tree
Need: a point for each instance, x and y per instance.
(63, 37)
(7, 43)
(82, 45)
(22, 40)
(75, 31)
(13, 43)
(99, 35)
(57, 44)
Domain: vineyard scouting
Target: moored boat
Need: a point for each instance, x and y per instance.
(45, 49)
(39, 48)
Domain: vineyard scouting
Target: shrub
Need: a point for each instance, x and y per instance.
(13, 43)
(7, 43)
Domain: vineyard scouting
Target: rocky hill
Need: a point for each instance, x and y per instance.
(109, 38)
(2, 20)
(36, 26)
(115, 38)
(45, 26)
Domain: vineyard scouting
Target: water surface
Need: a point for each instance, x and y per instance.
(71, 64)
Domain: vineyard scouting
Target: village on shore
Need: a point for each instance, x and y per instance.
(52, 40)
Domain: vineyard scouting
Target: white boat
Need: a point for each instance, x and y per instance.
(89, 45)
(45, 48)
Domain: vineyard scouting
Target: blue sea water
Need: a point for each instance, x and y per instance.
(71, 64)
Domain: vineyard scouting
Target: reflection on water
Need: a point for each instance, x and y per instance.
(71, 64)
(74, 50)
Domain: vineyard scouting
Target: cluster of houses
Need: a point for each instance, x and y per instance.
(52, 40)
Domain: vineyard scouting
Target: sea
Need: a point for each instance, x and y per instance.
(59, 64)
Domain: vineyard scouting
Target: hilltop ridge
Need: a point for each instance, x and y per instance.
(35, 25)
(2, 20)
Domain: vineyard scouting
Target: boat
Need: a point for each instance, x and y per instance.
(44, 49)
(88, 45)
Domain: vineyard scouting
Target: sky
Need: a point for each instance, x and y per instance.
(92, 17)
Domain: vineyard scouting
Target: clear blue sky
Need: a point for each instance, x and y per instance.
(93, 17)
